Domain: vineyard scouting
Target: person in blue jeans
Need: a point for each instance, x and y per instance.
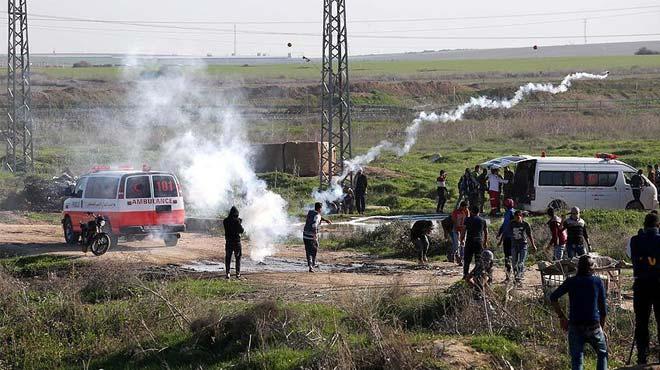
(587, 313)
(521, 237)
(504, 236)
(577, 237)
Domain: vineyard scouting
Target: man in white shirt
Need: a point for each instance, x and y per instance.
(495, 181)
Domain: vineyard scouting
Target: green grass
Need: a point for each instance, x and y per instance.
(37, 265)
(367, 69)
(499, 347)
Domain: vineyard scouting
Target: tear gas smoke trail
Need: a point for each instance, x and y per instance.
(335, 191)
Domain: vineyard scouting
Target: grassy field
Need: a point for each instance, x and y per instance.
(368, 69)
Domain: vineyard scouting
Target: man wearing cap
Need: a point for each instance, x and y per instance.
(577, 237)
(587, 313)
(644, 251)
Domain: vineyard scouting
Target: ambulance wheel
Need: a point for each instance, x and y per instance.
(635, 205)
(70, 236)
(170, 240)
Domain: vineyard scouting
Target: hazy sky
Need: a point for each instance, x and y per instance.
(413, 25)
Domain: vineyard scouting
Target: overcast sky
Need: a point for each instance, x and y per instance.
(374, 26)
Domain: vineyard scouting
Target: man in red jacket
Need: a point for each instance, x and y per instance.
(557, 235)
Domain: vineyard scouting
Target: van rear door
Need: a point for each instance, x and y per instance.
(166, 199)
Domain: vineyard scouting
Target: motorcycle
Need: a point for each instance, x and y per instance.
(93, 237)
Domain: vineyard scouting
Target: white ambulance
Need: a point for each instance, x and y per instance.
(602, 182)
(135, 204)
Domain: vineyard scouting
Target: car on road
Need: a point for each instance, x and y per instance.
(135, 204)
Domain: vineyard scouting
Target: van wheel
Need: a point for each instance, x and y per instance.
(635, 205)
(558, 205)
(70, 236)
(171, 240)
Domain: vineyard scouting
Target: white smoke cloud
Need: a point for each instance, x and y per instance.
(334, 192)
(210, 152)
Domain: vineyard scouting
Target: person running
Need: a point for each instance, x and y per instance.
(495, 182)
(577, 237)
(557, 235)
(483, 188)
(587, 313)
(476, 238)
(360, 192)
(233, 230)
(420, 237)
(521, 238)
(504, 236)
(310, 234)
(443, 194)
(644, 251)
(458, 217)
(636, 184)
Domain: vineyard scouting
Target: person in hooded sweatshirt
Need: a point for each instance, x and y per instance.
(310, 234)
(233, 231)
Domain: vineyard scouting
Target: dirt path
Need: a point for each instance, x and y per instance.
(285, 274)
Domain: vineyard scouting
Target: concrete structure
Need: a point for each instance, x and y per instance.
(301, 158)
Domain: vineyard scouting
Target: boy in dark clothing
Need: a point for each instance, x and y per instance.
(577, 237)
(360, 192)
(521, 237)
(310, 234)
(587, 313)
(233, 230)
(481, 274)
(645, 254)
(476, 238)
(419, 234)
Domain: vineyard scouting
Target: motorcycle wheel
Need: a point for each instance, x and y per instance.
(100, 244)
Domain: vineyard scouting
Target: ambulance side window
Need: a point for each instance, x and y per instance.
(138, 187)
(80, 188)
(102, 188)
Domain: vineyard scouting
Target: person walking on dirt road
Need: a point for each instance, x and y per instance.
(419, 233)
(233, 230)
(504, 236)
(443, 194)
(557, 235)
(586, 314)
(360, 192)
(458, 217)
(310, 234)
(521, 238)
(577, 237)
(476, 238)
(644, 251)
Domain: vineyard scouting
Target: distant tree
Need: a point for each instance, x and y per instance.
(82, 64)
(646, 51)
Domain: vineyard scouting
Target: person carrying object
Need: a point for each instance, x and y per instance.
(577, 238)
(587, 301)
(310, 234)
(644, 252)
(233, 230)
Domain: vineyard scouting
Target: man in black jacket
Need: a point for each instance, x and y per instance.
(645, 255)
(233, 231)
(360, 192)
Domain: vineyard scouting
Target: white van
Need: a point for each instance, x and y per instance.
(563, 182)
(135, 204)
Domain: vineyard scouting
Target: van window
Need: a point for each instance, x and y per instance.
(138, 187)
(101, 187)
(601, 179)
(561, 178)
(80, 188)
(164, 186)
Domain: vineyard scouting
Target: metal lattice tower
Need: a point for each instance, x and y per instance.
(335, 101)
(18, 130)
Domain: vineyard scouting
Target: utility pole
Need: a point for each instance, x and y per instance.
(584, 21)
(336, 144)
(18, 129)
